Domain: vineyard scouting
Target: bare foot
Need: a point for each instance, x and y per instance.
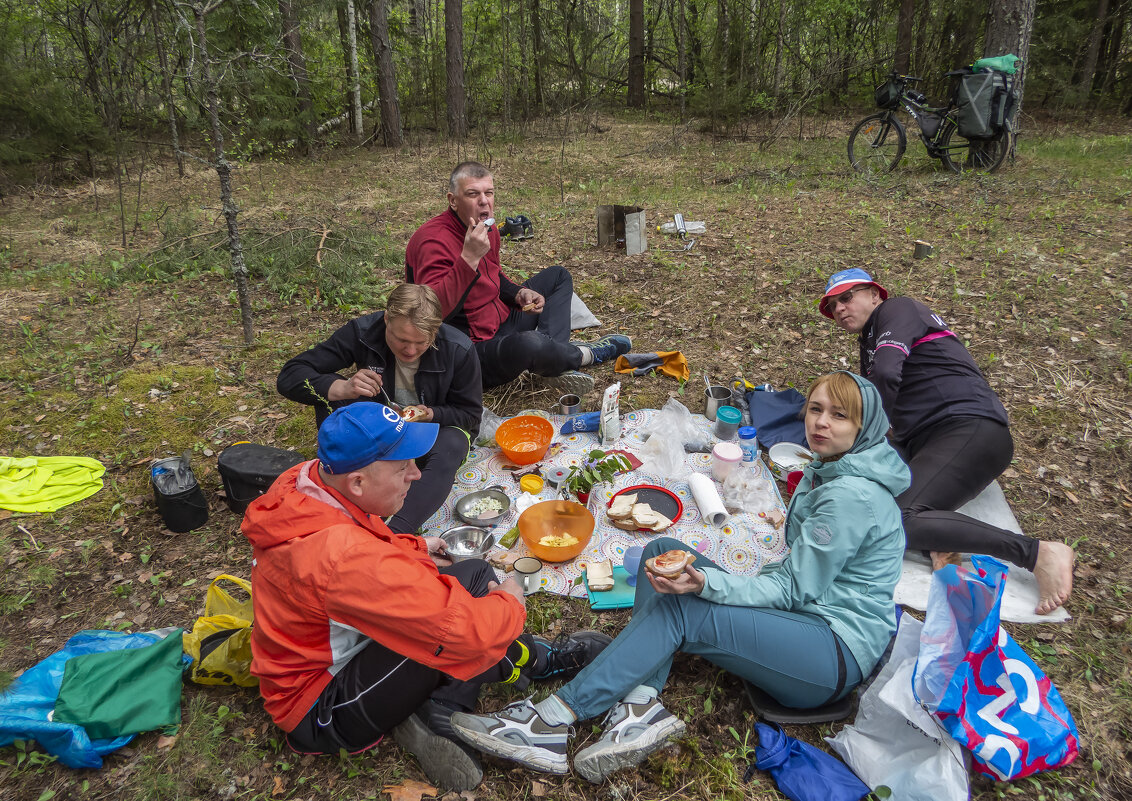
(1054, 572)
(941, 559)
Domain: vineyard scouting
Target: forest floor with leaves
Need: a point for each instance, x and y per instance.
(132, 353)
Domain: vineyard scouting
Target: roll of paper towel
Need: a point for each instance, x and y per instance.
(707, 498)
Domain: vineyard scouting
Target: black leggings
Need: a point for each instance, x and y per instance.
(536, 342)
(378, 688)
(951, 463)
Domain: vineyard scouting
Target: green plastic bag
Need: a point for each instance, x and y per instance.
(123, 692)
(1007, 64)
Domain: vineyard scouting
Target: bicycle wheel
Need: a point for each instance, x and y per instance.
(877, 144)
(972, 155)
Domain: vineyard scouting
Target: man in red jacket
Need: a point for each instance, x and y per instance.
(359, 631)
(514, 328)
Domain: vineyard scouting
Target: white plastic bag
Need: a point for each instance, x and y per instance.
(662, 455)
(489, 422)
(894, 742)
(746, 490)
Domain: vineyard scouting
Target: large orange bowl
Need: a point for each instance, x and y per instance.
(524, 439)
(555, 518)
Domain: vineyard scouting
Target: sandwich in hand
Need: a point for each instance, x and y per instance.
(669, 564)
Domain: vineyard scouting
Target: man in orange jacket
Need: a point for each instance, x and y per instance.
(359, 631)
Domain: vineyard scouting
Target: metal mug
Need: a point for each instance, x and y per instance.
(528, 572)
(714, 397)
(569, 404)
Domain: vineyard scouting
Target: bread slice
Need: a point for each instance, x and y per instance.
(599, 575)
(622, 507)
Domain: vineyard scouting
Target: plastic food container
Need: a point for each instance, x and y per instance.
(727, 420)
(524, 439)
(554, 518)
(725, 457)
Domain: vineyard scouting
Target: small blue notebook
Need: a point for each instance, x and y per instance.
(620, 597)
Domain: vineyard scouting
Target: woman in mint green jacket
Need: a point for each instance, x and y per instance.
(806, 633)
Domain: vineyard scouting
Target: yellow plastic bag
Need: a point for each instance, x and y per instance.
(220, 642)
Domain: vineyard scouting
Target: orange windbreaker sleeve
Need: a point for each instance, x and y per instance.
(397, 597)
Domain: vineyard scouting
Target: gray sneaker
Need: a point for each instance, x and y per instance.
(633, 731)
(516, 732)
(571, 383)
(444, 761)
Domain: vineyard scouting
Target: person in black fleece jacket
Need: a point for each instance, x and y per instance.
(406, 358)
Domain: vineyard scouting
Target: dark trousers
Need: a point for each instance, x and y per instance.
(536, 342)
(379, 688)
(438, 472)
(951, 463)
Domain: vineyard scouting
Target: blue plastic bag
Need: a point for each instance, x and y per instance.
(984, 689)
(803, 772)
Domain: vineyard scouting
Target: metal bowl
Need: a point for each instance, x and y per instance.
(467, 542)
(468, 501)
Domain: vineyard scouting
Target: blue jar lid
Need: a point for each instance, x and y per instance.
(748, 432)
(728, 414)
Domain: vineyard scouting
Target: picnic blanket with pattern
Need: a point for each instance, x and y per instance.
(743, 545)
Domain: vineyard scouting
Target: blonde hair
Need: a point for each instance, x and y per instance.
(843, 391)
(419, 305)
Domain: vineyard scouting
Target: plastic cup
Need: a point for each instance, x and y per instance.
(632, 562)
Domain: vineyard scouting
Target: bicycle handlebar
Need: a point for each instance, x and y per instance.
(905, 78)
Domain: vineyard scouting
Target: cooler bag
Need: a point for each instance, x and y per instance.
(247, 470)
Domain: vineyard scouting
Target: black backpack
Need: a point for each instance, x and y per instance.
(985, 102)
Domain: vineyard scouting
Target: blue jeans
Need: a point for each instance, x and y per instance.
(790, 655)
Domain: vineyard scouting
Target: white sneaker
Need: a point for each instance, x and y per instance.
(518, 733)
(633, 731)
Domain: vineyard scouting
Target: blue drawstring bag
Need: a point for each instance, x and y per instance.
(803, 772)
(581, 422)
(777, 416)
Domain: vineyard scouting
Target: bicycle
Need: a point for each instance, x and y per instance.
(878, 142)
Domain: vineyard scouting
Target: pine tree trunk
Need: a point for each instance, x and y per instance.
(536, 48)
(779, 45)
(224, 173)
(391, 133)
(355, 78)
(637, 53)
(457, 117)
(1092, 52)
(167, 87)
(293, 45)
(1009, 30)
(903, 61)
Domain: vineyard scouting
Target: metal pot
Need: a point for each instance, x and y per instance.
(468, 501)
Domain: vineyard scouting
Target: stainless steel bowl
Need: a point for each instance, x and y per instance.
(467, 542)
(468, 501)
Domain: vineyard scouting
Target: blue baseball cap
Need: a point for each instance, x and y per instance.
(847, 279)
(363, 433)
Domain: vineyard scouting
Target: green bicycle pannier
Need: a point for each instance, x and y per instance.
(887, 95)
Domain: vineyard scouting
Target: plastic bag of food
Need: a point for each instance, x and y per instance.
(489, 422)
(746, 490)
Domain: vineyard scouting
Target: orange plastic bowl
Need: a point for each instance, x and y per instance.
(556, 518)
(524, 439)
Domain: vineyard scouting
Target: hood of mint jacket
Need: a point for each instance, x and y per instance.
(846, 542)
